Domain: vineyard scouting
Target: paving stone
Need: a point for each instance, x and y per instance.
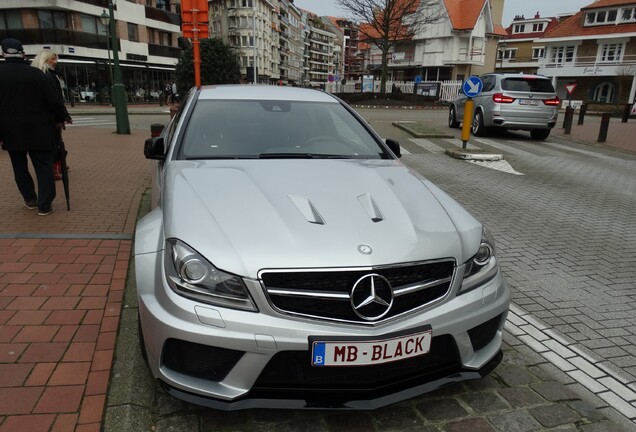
(349, 421)
(554, 415)
(514, 375)
(485, 402)
(554, 391)
(517, 421)
(441, 409)
(469, 425)
(602, 427)
(396, 416)
(519, 397)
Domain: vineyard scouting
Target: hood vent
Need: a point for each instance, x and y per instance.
(307, 209)
(370, 207)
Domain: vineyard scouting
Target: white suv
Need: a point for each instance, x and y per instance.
(511, 101)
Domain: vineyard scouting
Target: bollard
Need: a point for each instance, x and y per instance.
(567, 120)
(582, 113)
(626, 111)
(602, 133)
(156, 129)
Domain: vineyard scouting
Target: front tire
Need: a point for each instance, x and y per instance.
(452, 118)
(540, 134)
(478, 127)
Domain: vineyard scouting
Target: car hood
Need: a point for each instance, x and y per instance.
(249, 215)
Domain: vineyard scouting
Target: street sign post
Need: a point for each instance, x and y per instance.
(570, 88)
(472, 87)
(194, 14)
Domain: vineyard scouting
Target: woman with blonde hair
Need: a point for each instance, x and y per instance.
(46, 61)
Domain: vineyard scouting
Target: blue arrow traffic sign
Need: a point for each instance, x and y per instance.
(472, 86)
(418, 79)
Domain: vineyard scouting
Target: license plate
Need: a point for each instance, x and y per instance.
(528, 102)
(369, 352)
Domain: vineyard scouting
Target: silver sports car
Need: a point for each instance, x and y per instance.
(292, 261)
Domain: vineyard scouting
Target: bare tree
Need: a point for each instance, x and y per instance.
(387, 23)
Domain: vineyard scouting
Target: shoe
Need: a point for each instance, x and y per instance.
(31, 205)
(46, 212)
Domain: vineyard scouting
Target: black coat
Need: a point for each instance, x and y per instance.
(30, 107)
(53, 78)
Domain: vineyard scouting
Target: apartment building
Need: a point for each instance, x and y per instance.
(147, 34)
(520, 50)
(462, 41)
(595, 49)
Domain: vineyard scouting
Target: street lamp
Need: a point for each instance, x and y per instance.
(105, 19)
(118, 91)
(502, 50)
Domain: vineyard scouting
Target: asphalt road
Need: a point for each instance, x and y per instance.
(563, 216)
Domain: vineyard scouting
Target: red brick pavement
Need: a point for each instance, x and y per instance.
(62, 280)
(619, 135)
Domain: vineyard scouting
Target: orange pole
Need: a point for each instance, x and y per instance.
(467, 122)
(197, 60)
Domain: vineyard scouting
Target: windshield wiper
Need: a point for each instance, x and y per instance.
(286, 156)
(302, 156)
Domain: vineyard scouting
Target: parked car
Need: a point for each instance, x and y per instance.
(510, 101)
(292, 261)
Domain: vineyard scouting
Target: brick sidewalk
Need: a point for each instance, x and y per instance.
(619, 135)
(61, 285)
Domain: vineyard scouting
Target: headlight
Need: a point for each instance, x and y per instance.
(192, 276)
(482, 266)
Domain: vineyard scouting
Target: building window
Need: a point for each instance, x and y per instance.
(133, 32)
(604, 93)
(538, 53)
(562, 54)
(52, 19)
(166, 38)
(611, 52)
(629, 14)
(92, 24)
(537, 27)
(247, 3)
(519, 28)
(509, 54)
(601, 17)
(10, 19)
(163, 4)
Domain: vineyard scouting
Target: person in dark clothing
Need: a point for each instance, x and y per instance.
(46, 61)
(30, 109)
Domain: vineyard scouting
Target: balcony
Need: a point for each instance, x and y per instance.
(163, 51)
(41, 36)
(588, 66)
(163, 16)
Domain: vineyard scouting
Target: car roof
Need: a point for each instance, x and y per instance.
(263, 92)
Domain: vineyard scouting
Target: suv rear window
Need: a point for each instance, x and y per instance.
(527, 85)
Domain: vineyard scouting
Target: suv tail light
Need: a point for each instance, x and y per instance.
(500, 98)
(552, 102)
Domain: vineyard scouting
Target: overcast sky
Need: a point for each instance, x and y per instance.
(511, 7)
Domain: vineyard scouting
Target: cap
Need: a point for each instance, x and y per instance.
(12, 48)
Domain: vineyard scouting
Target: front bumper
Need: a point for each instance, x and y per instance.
(230, 359)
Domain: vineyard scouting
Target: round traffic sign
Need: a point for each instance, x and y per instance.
(472, 86)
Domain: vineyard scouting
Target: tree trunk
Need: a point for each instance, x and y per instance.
(384, 70)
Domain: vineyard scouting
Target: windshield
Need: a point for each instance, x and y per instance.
(275, 129)
(536, 85)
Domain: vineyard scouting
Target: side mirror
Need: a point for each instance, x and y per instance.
(154, 148)
(394, 146)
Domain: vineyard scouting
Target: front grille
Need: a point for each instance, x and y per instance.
(289, 374)
(327, 294)
(200, 361)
